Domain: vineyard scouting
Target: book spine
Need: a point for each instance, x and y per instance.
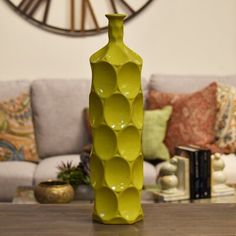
(205, 173)
(208, 182)
(191, 176)
(196, 178)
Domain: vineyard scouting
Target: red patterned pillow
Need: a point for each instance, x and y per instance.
(193, 118)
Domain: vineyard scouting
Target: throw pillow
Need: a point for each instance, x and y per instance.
(193, 118)
(225, 127)
(17, 140)
(154, 131)
(58, 115)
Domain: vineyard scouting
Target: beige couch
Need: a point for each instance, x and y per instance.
(57, 107)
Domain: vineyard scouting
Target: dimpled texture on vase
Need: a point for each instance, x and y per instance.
(116, 117)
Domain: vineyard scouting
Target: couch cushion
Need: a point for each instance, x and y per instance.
(186, 83)
(14, 174)
(149, 173)
(193, 118)
(47, 168)
(9, 89)
(58, 115)
(17, 140)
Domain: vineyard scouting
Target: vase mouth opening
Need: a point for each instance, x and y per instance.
(116, 16)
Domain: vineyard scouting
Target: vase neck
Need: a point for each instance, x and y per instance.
(115, 27)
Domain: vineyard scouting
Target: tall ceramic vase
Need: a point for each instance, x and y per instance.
(116, 116)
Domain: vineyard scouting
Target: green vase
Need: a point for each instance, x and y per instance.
(116, 117)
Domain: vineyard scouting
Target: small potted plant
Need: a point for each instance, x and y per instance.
(78, 176)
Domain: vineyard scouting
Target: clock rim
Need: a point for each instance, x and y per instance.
(68, 32)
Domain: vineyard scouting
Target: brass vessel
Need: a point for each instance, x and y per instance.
(54, 191)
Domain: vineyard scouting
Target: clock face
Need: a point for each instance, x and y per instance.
(75, 17)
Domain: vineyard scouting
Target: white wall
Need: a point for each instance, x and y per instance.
(172, 36)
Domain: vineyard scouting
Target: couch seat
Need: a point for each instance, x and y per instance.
(47, 168)
(14, 174)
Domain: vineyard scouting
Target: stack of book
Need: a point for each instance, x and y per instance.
(199, 170)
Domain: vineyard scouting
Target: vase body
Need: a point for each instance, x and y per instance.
(116, 117)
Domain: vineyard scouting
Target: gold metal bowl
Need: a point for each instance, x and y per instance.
(54, 191)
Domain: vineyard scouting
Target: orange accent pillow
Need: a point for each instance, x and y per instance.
(193, 118)
(17, 140)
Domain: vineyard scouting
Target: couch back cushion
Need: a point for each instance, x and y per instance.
(58, 106)
(17, 140)
(186, 83)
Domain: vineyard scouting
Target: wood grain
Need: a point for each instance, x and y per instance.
(160, 219)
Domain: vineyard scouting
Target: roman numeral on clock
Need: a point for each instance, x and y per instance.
(29, 7)
(86, 5)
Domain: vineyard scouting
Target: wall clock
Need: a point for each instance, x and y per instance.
(75, 17)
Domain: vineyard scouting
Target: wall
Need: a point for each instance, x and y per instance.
(172, 36)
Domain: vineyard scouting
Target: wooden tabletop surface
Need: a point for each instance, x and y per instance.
(160, 219)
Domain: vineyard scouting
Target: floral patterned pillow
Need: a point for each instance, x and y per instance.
(225, 127)
(193, 117)
(17, 140)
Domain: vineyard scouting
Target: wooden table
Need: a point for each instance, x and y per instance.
(160, 219)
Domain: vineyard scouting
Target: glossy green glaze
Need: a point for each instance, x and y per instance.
(116, 116)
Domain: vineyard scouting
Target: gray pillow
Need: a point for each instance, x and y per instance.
(58, 115)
